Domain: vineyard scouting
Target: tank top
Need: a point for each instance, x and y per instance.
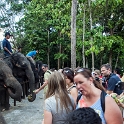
(69, 89)
(96, 106)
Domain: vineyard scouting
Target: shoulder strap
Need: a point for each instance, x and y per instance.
(49, 71)
(102, 99)
(78, 98)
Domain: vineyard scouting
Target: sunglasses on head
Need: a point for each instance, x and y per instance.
(80, 70)
(66, 71)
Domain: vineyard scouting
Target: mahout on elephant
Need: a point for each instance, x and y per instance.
(21, 69)
(9, 86)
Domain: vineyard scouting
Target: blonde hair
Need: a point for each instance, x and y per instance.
(57, 87)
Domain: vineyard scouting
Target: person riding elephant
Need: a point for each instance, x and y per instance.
(9, 86)
(21, 68)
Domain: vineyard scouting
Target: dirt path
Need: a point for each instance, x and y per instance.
(25, 112)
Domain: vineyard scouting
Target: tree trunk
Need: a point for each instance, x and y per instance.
(116, 64)
(73, 33)
(110, 57)
(59, 61)
(86, 62)
(48, 53)
(89, 1)
(83, 49)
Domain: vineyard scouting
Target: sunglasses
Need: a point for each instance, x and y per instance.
(80, 70)
(67, 72)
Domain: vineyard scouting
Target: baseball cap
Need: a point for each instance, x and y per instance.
(7, 33)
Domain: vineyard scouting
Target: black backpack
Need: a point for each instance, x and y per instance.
(102, 99)
(120, 85)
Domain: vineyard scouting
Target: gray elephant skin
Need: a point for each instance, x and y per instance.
(21, 69)
(9, 86)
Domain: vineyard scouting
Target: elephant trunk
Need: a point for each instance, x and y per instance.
(30, 75)
(14, 88)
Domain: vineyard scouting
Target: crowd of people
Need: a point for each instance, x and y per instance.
(62, 88)
(62, 91)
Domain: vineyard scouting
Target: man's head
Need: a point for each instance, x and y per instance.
(7, 35)
(19, 49)
(106, 70)
(36, 51)
(117, 70)
(45, 67)
(84, 115)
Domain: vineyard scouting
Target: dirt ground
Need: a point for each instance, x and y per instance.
(25, 112)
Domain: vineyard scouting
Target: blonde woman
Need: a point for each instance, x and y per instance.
(58, 103)
(69, 79)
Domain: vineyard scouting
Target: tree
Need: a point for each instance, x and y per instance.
(73, 33)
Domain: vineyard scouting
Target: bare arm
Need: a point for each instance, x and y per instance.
(112, 112)
(42, 87)
(74, 94)
(7, 50)
(47, 117)
(109, 92)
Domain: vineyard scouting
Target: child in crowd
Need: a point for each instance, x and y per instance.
(84, 115)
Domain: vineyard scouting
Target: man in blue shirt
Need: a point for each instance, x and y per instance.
(111, 80)
(31, 55)
(6, 45)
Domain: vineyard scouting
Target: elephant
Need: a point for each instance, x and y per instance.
(40, 71)
(9, 86)
(21, 69)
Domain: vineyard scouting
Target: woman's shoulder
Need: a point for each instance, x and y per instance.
(50, 99)
(111, 108)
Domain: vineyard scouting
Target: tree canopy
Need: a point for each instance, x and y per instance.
(46, 26)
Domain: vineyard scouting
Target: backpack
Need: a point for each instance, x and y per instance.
(102, 99)
(120, 85)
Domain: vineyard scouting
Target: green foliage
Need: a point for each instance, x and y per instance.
(46, 24)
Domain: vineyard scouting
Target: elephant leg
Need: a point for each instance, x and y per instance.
(4, 100)
(7, 105)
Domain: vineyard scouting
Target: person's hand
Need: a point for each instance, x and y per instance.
(113, 95)
(122, 94)
(10, 53)
(120, 104)
(36, 91)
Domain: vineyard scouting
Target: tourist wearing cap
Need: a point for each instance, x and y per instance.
(6, 45)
